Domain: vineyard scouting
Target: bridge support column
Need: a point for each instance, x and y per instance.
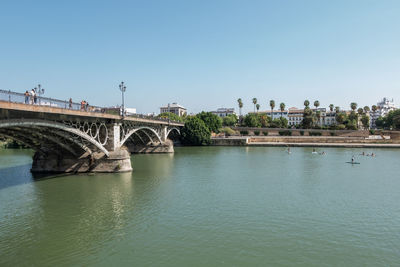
(117, 161)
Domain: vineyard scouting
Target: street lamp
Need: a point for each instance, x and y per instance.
(122, 88)
(39, 90)
(169, 115)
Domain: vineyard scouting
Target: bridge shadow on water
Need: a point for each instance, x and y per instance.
(17, 175)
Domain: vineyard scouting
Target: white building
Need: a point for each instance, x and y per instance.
(383, 108)
(174, 108)
(276, 114)
(223, 112)
(130, 111)
(295, 116)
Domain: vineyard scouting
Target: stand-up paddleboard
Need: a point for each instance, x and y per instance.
(353, 162)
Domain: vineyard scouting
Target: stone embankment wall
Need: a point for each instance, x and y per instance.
(316, 139)
(302, 132)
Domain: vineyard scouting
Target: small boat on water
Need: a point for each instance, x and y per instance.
(350, 162)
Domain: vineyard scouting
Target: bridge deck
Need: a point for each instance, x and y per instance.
(62, 111)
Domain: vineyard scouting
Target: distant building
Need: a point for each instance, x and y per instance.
(295, 116)
(174, 108)
(223, 112)
(383, 108)
(273, 114)
(330, 118)
(130, 111)
(326, 118)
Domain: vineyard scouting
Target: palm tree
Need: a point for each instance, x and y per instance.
(331, 107)
(240, 103)
(337, 109)
(360, 111)
(254, 103)
(318, 113)
(306, 103)
(366, 109)
(257, 107)
(353, 106)
(374, 108)
(282, 107)
(272, 105)
(316, 104)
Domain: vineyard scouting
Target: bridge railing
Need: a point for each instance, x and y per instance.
(15, 97)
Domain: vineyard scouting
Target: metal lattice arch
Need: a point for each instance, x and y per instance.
(145, 130)
(32, 132)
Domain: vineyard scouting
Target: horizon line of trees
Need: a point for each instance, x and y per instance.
(198, 128)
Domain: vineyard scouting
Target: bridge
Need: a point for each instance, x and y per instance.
(70, 137)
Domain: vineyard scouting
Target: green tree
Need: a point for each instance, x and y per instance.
(318, 115)
(374, 108)
(353, 106)
(365, 121)
(212, 121)
(306, 103)
(254, 103)
(195, 132)
(331, 107)
(316, 104)
(337, 109)
(230, 120)
(282, 107)
(272, 105)
(366, 109)
(258, 107)
(380, 122)
(396, 122)
(390, 121)
(353, 116)
(240, 103)
(280, 122)
(171, 116)
(360, 111)
(352, 121)
(341, 117)
(309, 118)
(252, 120)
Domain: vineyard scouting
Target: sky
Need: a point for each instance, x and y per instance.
(203, 54)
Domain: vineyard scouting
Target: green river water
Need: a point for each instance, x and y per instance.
(206, 206)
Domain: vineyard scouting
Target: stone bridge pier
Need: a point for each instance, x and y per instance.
(79, 141)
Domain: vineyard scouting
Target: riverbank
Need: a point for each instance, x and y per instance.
(305, 141)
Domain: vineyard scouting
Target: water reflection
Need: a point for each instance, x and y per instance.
(207, 206)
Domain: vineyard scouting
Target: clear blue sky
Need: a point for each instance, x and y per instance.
(203, 54)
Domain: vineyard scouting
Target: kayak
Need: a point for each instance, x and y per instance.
(353, 162)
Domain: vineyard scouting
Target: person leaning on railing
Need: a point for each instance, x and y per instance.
(26, 94)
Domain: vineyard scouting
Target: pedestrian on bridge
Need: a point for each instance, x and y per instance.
(35, 98)
(83, 103)
(32, 96)
(70, 103)
(26, 94)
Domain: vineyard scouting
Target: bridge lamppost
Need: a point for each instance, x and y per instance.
(39, 90)
(122, 87)
(169, 115)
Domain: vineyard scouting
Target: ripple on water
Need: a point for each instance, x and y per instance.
(229, 206)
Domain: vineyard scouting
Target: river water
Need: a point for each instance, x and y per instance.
(206, 206)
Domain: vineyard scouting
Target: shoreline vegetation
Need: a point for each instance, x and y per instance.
(206, 128)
